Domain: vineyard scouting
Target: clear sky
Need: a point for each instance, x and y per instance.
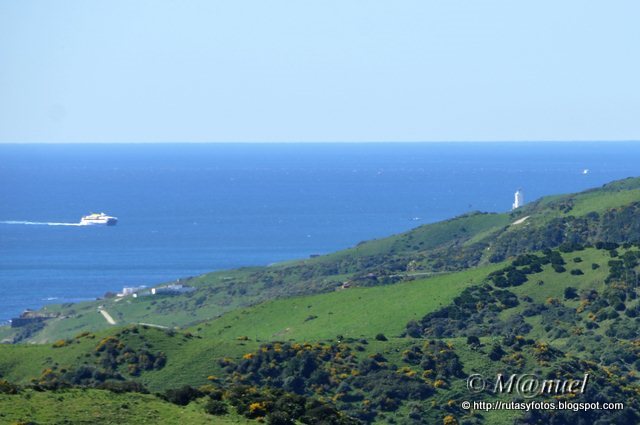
(345, 70)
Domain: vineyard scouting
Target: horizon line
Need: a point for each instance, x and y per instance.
(314, 142)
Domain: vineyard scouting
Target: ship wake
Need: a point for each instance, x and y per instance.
(40, 223)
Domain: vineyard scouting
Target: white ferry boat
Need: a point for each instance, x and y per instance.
(101, 218)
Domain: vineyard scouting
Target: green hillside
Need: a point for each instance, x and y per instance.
(79, 406)
(583, 320)
(352, 313)
(543, 316)
(385, 332)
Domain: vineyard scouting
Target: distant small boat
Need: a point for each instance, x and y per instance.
(585, 171)
(101, 218)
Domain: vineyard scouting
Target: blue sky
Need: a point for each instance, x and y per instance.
(361, 70)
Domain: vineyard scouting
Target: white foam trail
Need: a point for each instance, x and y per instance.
(39, 223)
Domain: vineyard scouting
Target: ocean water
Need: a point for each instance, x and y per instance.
(185, 209)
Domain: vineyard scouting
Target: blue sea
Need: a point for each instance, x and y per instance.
(186, 209)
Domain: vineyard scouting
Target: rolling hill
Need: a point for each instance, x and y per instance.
(550, 289)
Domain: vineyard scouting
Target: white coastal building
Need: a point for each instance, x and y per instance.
(518, 199)
(130, 290)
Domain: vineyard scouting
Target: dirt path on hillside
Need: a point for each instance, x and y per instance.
(107, 316)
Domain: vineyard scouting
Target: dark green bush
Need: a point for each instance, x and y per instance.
(215, 407)
(182, 396)
(7, 387)
(570, 293)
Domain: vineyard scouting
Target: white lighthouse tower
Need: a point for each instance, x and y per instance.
(518, 199)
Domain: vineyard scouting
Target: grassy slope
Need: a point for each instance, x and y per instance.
(358, 312)
(85, 316)
(611, 195)
(21, 362)
(553, 287)
(555, 283)
(354, 312)
(425, 237)
(102, 407)
(268, 318)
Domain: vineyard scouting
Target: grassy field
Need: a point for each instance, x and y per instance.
(354, 312)
(21, 362)
(102, 407)
(594, 201)
(424, 237)
(350, 313)
(553, 284)
(193, 354)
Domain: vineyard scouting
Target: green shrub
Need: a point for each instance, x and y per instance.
(496, 353)
(215, 407)
(182, 396)
(473, 340)
(558, 268)
(279, 418)
(570, 293)
(7, 387)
